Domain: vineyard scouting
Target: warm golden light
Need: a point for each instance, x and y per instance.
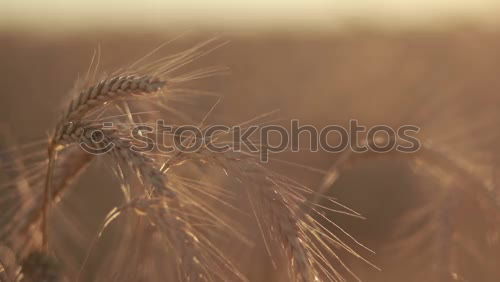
(233, 14)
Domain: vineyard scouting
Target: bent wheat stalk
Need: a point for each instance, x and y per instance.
(134, 82)
(279, 206)
(65, 160)
(105, 91)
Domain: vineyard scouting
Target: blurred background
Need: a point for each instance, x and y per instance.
(430, 63)
(58, 15)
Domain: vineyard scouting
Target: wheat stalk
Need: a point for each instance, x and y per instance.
(288, 233)
(279, 205)
(89, 99)
(70, 130)
(125, 84)
(78, 132)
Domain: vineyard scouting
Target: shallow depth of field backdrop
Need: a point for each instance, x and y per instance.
(431, 63)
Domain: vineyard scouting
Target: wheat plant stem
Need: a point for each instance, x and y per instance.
(52, 154)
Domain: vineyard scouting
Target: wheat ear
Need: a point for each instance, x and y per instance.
(107, 90)
(288, 233)
(89, 99)
(269, 203)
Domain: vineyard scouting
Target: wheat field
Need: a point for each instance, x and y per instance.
(67, 215)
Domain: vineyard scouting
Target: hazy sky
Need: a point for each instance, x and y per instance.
(236, 13)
